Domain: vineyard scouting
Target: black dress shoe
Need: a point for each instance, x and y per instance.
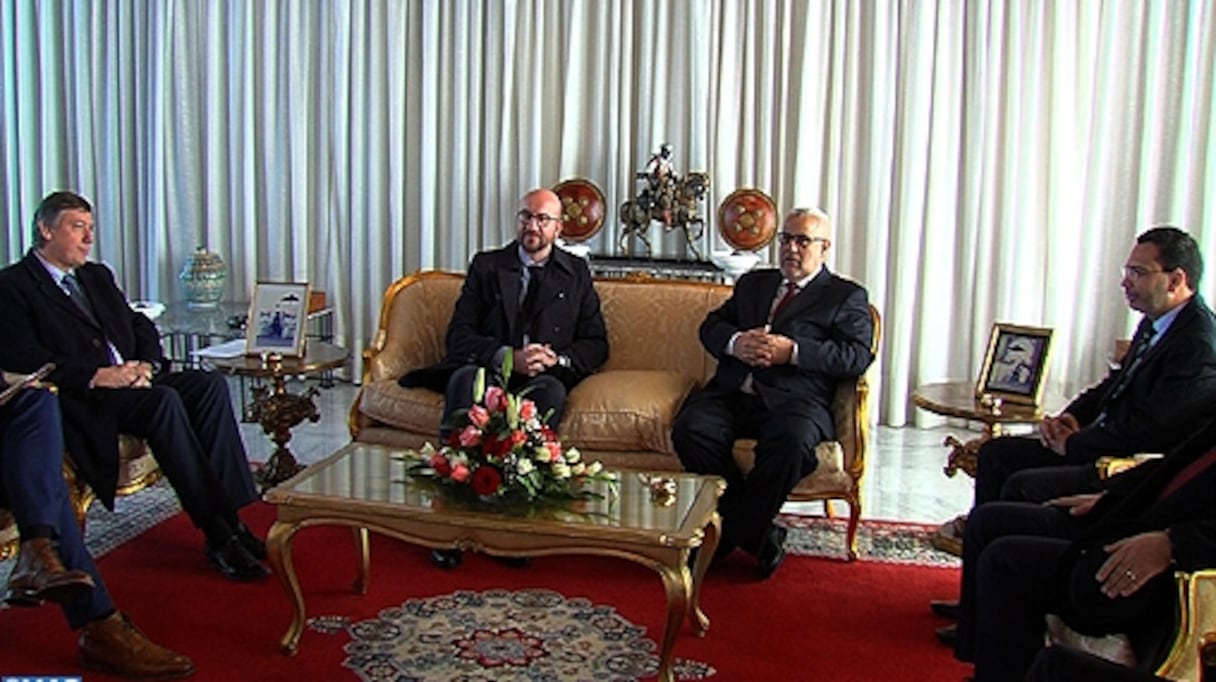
(447, 559)
(252, 543)
(234, 562)
(772, 552)
(947, 635)
(945, 609)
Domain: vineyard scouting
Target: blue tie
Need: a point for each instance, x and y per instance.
(1144, 338)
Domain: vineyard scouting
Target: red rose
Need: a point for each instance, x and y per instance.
(486, 480)
(440, 464)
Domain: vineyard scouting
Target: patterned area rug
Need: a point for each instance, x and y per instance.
(537, 635)
(530, 635)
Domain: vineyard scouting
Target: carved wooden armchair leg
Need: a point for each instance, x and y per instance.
(1196, 625)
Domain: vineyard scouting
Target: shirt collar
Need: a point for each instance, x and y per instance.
(55, 273)
(801, 284)
(526, 260)
(1162, 324)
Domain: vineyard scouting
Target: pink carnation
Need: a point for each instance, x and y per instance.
(555, 451)
(479, 416)
(470, 436)
(496, 399)
(460, 473)
(518, 437)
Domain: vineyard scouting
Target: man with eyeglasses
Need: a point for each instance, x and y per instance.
(783, 340)
(1163, 390)
(532, 301)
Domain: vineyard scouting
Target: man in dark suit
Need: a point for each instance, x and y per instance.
(1103, 562)
(1163, 390)
(532, 301)
(113, 378)
(53, 563)
(782, 340)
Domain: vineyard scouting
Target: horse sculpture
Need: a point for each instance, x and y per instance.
(670, 200)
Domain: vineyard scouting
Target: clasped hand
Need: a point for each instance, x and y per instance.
(130, 374)
(760, 348)
(534, 358)
(1054, 432)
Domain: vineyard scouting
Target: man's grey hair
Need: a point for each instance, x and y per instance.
(818, 214)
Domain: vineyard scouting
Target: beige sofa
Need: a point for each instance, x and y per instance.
(621, 415)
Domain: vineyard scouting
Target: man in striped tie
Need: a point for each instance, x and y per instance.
(1164, 389)
(783, 339)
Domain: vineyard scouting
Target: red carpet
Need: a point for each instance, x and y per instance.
(817, 619)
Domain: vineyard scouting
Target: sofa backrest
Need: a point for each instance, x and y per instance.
(652, 324)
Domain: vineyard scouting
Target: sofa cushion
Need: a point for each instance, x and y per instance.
(413, 409)
(625, 410)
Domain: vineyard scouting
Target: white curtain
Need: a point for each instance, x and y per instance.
(984, 161)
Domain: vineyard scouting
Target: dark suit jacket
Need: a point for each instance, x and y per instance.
(829, 320)
(1132, 504)
(484, 318)
(45, 326)
(1170, 395)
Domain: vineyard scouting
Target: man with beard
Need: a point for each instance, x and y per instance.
(528, 299)
(782, 340)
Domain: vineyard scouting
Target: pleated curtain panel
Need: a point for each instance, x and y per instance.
(983, 160)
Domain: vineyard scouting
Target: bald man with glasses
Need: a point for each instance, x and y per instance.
(528, 299)
(783, 340)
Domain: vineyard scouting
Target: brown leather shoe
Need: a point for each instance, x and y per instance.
(40, 575)
(114, 645)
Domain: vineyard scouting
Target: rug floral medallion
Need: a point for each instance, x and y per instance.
(531, 635)
(544, 636)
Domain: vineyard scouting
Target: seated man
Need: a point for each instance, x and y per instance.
(1103, 562)
(528, 299)
(53, 563)
(783, 339)
(113, 378)
(1164, 389)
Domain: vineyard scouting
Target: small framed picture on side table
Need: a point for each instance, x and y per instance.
(1015, 365)
(277, 314)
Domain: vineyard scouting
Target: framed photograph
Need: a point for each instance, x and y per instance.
(277, 316)
(1015, 365)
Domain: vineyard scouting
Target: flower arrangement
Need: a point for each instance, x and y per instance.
(501, 449)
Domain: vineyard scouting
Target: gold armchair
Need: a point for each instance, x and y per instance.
(842, 462)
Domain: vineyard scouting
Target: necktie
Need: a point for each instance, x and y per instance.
(1144, 337)
(78, 296)
(791, 290)
(528, 309)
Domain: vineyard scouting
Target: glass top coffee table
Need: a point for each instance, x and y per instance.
(652, 519)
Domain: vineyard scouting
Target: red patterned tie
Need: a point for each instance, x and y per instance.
(791, 290)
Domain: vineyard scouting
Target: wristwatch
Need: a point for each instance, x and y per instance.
(564, 361)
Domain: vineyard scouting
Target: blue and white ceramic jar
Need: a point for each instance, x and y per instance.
(203, 277)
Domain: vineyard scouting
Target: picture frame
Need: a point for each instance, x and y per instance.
(278, 316)
(1015, 364)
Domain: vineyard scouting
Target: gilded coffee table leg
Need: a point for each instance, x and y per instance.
(363, 550)
(676, 583)
(278, 551)
(697, 617)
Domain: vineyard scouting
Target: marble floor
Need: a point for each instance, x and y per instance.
(903, 482)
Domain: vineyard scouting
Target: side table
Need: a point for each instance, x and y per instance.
(273, 407)
(958, 399)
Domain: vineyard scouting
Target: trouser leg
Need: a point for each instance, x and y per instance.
(986, 525)
(1047, 483)
(1000, 458)
(31, 475)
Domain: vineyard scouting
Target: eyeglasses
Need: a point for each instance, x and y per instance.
(542, 219)
(801, 240)
(1138, 272)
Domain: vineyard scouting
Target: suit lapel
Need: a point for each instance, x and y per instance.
(813, 291)
(51, 291)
